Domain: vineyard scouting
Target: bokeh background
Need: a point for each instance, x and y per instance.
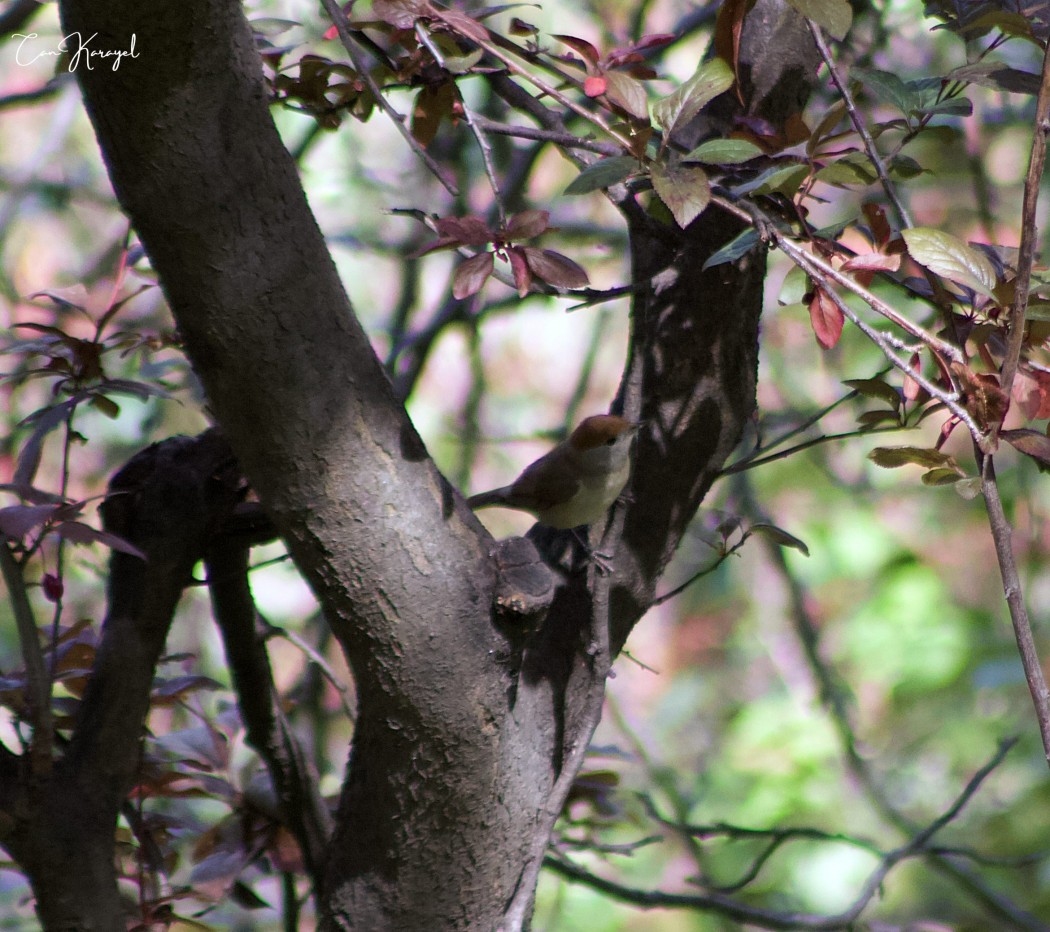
(853, 691)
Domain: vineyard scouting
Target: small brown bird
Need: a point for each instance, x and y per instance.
(577, 481)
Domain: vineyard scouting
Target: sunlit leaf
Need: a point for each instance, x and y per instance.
(627, 93)
(835, 16)
(873, 262)
(893, 457)
(684, 189)
(941, 476)
(460, 22)
(468, 230)
(852, 169)
(826, 317)
(712, 78)
(520, 267)
(785, 178)
(724, 152)
(401, 14)
(950, 257)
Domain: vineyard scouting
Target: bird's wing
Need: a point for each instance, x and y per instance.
(541, 487)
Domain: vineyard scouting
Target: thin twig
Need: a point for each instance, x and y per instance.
(1026, 255)
(756, 461)
(1001, 535)
(550, 91)
(565, 140)
(700, 574)
(340, 22)
(483, 143)
(887, 343)
(770, 919)
(858, 124)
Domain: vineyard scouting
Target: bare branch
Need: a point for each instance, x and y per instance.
(1029, 236)
(1014, 592)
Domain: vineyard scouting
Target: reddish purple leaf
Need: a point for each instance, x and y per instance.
(468, 230)
(445, 242)
(520, 266)
(471, 275)
(18, 520)
(826, 318)
(84, 534)
(1030, 442)
(555, 269)
(1031, 390)
(463, 24)
(527, 224)
(912, 389)
(872, 261)
(587, 51)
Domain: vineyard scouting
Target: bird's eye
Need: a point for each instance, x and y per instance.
(610, 441)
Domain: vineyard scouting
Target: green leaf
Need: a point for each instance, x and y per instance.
(603, 174)
(950, 257)
(942, 475)
(739, 245)
(461, 64)
(953, 106)
(674, 111)
(872, 419)
(835, 16)
(684, 189)
(780, 179)
(853, 168)
(627, 92)
(724, 152)
(892, 457)
(780, 536)
(904, 166)
(969, 488)
(887, 87)
(106, 405)
(876, 388)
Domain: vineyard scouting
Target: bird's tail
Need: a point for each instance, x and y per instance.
(488, 499)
